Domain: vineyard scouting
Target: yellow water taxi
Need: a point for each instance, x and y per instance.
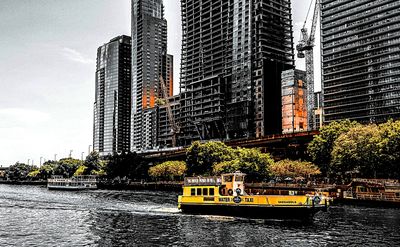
(227, 195)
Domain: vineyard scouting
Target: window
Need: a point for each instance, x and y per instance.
(192, 192)
(211, 191)
(205, 192)
(198, 191)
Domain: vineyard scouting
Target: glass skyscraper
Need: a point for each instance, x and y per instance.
(149, 61)
(361, 60)
(112, 110)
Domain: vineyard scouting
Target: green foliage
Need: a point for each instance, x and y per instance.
(93, 164)
(390, 143)
(321, 147)
(126, 165)
(47, 169)
(200, 157)
(67, 167)
(359, 150)
(169, 170)
(19, 171)
(34, 174)
(80, 171)
(250, 161)
(289, 168)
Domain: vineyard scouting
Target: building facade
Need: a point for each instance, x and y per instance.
(164, 130)
(294, 101)
(233, 53)
(149, 61)
(361, 60)
(318, 110)
(112, 112)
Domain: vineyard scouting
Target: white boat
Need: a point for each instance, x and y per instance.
(75, 183)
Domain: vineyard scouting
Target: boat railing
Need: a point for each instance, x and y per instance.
(202, 181)
(377, 181)
(381, 197)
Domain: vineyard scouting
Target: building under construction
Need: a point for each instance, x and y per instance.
(294, 101)
(164, 129)
(233, 53)
(361, 60)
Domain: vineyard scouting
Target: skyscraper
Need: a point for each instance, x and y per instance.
(233, 53)
(149, 60)
(111, 128)
(361, 60)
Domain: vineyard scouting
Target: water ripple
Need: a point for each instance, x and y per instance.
(34, 216)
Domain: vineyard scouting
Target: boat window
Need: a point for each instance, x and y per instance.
(239, 178)
(228, 178)
(211, 191)
(198, 191)
(192, 192)
(205, 192)
(376, 190)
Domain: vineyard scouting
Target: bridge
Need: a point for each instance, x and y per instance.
(293, 145)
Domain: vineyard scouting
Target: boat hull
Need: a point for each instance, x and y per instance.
(260, 212)
(71, 188)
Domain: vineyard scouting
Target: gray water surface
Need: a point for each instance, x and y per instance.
(34, 216)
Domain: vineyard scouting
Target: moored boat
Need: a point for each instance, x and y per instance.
(88, 182)
(227, 195)
(379, 192)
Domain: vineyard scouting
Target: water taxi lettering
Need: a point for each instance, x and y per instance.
(208, 199)
(287, 202)
(249, 199)
(227, 199)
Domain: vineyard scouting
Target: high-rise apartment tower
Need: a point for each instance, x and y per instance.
(233, 53)
(361, 60)
(149, 61)
(112, 110)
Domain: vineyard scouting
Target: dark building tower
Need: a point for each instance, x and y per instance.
(233, 53)
(113, 99)
(361, 60)
(149, 60)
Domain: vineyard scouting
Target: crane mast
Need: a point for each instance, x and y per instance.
(305, 50)
(175, 129)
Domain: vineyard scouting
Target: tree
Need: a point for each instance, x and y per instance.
(169, 170)
(67, 167)
(93, 163)
(200, 157)
(390, 143)
(321, 146)
(19, 171)
(47, 169)
(250, 161)
(80, 171)
(358, 150)
(289, 168)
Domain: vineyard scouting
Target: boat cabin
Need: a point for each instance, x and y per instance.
(231, 184)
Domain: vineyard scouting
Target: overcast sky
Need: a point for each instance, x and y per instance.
(47, 70)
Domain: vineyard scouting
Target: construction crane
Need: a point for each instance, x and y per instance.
(305, 50)
(175, 129)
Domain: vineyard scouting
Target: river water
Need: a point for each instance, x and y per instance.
(34, 216)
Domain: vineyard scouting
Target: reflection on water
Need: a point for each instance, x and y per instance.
(34, 216)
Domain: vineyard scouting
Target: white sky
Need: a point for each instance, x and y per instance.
(47, 70)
